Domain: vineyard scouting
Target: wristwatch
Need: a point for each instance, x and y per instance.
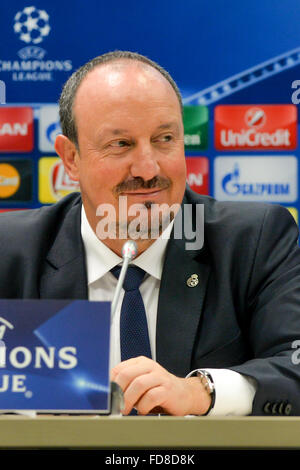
(208, 383)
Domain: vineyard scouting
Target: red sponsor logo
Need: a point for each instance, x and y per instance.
(198, 174)
(256, 127)
(16, 129)
(60, 182)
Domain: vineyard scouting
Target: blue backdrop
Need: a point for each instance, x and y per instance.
(219, 52)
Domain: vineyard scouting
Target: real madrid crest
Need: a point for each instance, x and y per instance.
(192, 281)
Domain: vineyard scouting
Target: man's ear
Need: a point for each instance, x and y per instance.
(68, 152)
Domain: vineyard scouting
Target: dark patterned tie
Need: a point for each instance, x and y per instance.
(134, 337)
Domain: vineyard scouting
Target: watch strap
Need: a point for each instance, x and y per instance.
(208, 383)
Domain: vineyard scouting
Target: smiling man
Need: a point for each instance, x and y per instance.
(129, 140)
(210, 329)
(130, 143)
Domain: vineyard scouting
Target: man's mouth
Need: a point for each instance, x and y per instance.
(143, 192)
(138, 187)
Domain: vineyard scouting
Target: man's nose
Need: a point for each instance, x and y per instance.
(144, 162)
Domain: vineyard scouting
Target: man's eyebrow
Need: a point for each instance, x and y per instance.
(119, 131)
(168, 125)
(104, 133)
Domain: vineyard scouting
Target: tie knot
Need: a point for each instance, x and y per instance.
(133, 278)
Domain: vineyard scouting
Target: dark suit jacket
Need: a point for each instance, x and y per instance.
(244, 314)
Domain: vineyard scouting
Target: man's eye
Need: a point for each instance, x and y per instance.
(119, 143)
(166, 138)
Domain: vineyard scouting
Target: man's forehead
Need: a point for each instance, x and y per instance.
(120, 75)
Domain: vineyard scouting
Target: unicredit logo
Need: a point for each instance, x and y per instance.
(16, 129)
(256, 127)
(255, 117)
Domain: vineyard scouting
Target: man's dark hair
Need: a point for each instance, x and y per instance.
(67, 98)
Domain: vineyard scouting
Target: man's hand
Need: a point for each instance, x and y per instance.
(148, 387)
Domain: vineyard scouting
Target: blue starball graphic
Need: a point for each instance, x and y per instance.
(32, 25)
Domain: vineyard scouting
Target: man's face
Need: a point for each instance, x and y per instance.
(130, 138)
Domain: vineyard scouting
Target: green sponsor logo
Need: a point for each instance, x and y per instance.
(195, 121)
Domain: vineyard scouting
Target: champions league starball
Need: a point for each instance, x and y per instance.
(31, 25)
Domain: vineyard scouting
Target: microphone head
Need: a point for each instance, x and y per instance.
(129, 250)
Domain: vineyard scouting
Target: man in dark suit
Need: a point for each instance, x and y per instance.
(224, 317)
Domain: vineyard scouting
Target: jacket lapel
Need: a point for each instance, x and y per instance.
(64, 276)
(180, 306)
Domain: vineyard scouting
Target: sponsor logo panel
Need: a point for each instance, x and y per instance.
(15, 180)
(265, 178)
(16, 129)
(256, 127)
(198, 174)
(49, 128)
(54, 183)
(195, 120)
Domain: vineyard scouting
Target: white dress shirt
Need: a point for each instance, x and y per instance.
(234, 392)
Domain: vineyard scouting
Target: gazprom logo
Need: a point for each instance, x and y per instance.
(232, 186)
(230, 183)
(52, 131)
(270, 179)
(49, 127)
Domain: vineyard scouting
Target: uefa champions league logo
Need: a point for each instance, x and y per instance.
(31, 25)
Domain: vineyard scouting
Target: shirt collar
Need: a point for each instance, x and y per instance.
(100, 259)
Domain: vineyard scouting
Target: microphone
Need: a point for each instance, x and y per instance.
(129, 252)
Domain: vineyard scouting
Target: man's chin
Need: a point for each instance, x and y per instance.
(145, 220)
(147, 228)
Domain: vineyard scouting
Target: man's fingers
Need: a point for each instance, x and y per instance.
(151, 400)
(126, 375)
(147, 386)
(137, 377)
(140, 386)
(130, 362)
(122, 365)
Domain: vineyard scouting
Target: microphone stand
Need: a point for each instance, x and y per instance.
(129, 252)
